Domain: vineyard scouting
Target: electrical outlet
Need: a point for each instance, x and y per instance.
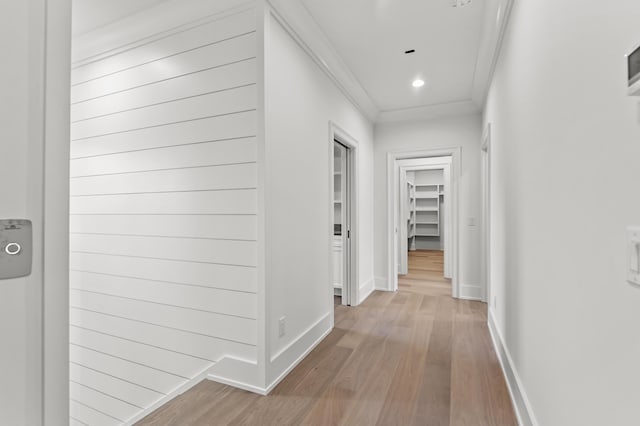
(282, 326)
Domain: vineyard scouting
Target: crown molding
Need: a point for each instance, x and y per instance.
(150, 24)
(305, 30)
(493, 33)
(429, 112)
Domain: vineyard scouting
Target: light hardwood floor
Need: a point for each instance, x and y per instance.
(414, 357)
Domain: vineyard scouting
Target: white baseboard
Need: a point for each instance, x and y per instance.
(470, 292)
(365, 290)
(381, 284)
(289, 357)
(237, 373)
(521, 403)
(168, 397)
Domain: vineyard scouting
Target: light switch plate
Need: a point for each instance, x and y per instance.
(15, 248)
(633, 255)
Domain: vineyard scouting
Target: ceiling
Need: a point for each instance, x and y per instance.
(371, 37)
(92, 14)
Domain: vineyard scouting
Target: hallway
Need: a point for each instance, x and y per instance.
(414, 357)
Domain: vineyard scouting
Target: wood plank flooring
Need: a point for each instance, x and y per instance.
(414, 357)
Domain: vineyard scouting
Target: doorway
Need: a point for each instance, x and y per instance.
(341, 243)
(397, 165)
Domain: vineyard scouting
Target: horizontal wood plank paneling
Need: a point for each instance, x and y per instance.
(209, 81)
(163, 216)
(156, 380)
(171, 362)
(237, 49)
(187, 342)
(198, 298)
(207, 33)
(212, 178)
(222, 128)
(86, 415)
(238, 278)
(227, 252)
(113, 407)
(207, 105)
(226, 227)
(196, 155)
(241, 330)
(123, 390)
(239, 202)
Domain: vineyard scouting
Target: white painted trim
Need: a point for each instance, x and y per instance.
(485, 236)
(55, 197)
(151, 24)
(298, 22)
(392, 174)
(366, 289)
(490, 48)
(167, 398)
(380, 284)
(519, 399)
(318, 331)
(237, 373)
(471, 292)
(342, 136)
(428, 112)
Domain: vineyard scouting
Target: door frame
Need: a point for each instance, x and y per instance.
(445, 166)
(393, 177)
(351, 249)
(485, 152)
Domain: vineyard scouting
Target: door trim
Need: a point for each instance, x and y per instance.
(336, 133)
(393, 172)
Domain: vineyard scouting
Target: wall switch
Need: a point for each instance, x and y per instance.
(633, 255)
(282, 326)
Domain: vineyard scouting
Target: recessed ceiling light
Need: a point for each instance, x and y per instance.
(417, 83)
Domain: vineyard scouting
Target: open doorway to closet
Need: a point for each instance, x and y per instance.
(342, 208)
(423, 205)
(425, 224)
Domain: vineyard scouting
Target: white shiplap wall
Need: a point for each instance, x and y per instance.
(163, 217)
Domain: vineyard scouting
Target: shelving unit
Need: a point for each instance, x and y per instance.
(427, 210)
(411, 216)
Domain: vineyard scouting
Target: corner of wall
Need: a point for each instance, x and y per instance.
(366, 289)
(288, 358)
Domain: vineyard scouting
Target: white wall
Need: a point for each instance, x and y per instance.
(163, 216)
(300, 102)
(462, 131)
(566, 136)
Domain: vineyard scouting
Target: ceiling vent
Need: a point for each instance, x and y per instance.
(460, 3)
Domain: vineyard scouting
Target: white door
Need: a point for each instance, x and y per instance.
(26, 312)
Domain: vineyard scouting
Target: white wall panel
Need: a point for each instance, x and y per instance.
(221, 128)
(227, 327)
(187, 342)
(226, 252)
(208, 33)
(236, 202)
(163, 216)
(229, 76)
(126, 391)
(199, 298)
(206, 105)
(239, 278)
(220, 178)
(215, 55)
(226, 227)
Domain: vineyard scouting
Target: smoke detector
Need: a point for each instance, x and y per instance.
(460, 3)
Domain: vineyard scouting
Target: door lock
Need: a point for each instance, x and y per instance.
(15, 248)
